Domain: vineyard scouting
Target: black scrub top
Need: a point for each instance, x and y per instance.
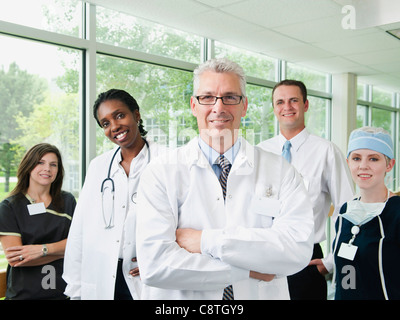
(38, 282)
(365, 265)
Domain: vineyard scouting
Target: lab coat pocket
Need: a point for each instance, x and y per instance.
(266, 208)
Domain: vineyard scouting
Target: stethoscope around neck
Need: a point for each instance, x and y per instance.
(108, 187)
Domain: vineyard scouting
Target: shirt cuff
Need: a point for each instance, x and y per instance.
(328, 262)
(211, 242)
(239, 274)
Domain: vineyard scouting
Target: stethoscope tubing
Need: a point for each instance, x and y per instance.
(110, 224)
(111, 162)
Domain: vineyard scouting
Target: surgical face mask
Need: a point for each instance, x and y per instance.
(359, 213)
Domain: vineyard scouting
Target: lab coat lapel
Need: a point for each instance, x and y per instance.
(194, 155)
(244, 161)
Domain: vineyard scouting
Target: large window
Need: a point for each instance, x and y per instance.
(255, 65)
(40, 102)
(378, 108)
(63, 17)
(317, 117)
(122, 30)
(313, 79)
(163, 95)
(259, 123)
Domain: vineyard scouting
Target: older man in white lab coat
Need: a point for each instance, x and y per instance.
(191, 242)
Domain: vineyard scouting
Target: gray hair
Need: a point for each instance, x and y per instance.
(220, 65)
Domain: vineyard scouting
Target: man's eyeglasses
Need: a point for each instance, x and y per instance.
(211, 100)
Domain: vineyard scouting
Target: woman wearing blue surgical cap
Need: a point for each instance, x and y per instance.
(367, 243)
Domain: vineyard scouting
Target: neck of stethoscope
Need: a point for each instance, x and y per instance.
(148, 150)
(145, 144)
(119, 148)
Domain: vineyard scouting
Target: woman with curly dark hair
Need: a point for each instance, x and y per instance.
(100, 259)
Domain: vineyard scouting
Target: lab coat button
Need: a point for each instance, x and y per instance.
(230, 196)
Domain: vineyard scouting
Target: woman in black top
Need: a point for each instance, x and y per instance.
(34, 225)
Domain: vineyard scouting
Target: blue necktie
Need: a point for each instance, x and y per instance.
(226, 167)
(286, 151)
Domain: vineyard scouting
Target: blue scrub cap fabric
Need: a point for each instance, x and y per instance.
(373, 139)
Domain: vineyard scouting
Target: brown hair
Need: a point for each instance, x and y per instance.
(289, 82)
(29, 162)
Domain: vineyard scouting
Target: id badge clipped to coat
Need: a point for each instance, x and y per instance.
(348, 250)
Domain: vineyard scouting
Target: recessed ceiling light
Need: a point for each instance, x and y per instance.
(394, 33)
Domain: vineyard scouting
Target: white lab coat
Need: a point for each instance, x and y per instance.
(265, 225)
(92, 252)
(325, 174)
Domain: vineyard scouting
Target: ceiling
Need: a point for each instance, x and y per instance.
(311, 33)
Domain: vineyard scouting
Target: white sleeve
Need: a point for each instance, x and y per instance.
(340, 183)
(72, 257)
(73, 251)
(341, 190)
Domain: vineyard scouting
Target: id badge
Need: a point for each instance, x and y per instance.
(347, 251)
(36, 208)
(266, 206)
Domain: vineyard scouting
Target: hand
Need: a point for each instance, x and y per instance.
(320, 266)
(261, 276)
(26, 253)
(189, 239)
(135, 271)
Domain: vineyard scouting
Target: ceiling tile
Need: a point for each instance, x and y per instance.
(361, 44)
(171, 13)
(263, 41)
(332, 65)
(219, 3)
(377, 56)
(300, 53)
(273, 13)
(314, 31)
(219, 25)
(388, 67)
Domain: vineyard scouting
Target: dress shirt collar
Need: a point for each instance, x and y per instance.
(213, 155)
(296, 141)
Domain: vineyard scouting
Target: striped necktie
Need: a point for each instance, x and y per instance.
(223, 177)
(286, 151)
